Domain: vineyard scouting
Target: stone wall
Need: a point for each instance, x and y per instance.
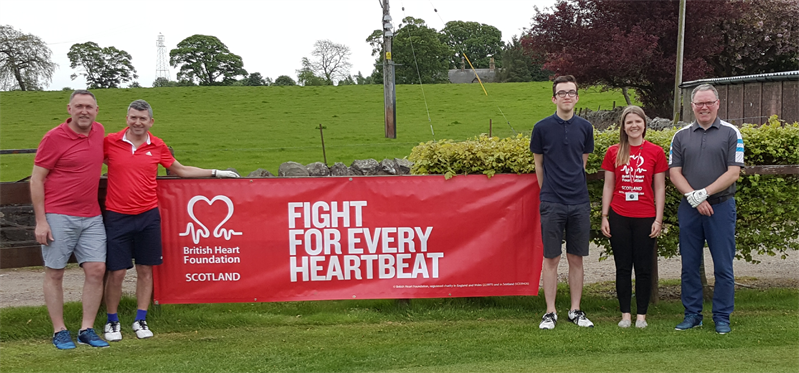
(603, 119)
(366, 167)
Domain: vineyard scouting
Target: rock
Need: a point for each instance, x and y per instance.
(365, 167)
(403, 166)
(292, 169)
(603, 119)
(388, 167)
(260, 172)
(663, 123)
(339, 169)
(317, 169)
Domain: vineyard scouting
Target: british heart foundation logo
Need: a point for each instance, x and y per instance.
(197, 230)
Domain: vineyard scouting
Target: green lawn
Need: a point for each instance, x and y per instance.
(428, 335)
(251, 127)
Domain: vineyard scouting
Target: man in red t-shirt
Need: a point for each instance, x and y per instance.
(64, 184)
(132, 220)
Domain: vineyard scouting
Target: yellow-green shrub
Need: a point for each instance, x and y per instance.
(767, 205)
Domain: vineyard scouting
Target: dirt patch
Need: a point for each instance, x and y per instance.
(23, 286)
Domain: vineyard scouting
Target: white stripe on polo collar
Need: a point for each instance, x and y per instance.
(133, 146)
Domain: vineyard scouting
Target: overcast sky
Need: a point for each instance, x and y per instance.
(271, 36)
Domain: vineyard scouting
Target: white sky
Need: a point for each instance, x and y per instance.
(271, 36)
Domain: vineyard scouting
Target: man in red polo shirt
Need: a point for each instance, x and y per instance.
(132, 220)
(64, 183)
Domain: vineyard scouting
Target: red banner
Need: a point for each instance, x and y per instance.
(292, 239)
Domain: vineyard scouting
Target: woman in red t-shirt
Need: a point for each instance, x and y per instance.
(632, 210)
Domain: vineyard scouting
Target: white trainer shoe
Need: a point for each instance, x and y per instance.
(141, 329)
(578, 317)
(548, 321)
(113, 332)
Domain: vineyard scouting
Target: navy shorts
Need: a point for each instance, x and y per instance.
(133, 237)
(575, 220)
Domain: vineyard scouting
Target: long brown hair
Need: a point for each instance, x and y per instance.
(623, 156)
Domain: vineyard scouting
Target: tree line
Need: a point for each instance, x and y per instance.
(628, 45)
(206, 60)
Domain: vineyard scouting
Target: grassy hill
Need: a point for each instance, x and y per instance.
(251, 127)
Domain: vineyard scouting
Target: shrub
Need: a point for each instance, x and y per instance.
(767, 205)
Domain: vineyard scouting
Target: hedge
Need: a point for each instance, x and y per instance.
(767, 205)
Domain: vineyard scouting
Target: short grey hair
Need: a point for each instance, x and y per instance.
(141, 105)
(704, 87)
(82, 92)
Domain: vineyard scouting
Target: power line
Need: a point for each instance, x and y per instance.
(419, 74)
(435, 10)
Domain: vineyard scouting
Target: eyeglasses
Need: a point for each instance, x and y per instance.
(563, 94)
(701, 104)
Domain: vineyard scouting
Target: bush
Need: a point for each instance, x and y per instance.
(480, 155)
(767, 205)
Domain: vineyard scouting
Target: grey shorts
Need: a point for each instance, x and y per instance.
(575, 220)
(83, 236)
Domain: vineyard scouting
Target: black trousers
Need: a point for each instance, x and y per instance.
(632, 248)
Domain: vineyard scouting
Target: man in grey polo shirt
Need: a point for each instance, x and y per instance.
(705, 160)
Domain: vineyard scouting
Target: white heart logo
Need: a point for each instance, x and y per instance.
(202, 231)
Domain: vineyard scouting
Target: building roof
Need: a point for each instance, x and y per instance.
(770, 77)
(467, 76)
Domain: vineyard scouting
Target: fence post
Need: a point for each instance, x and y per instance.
(322, 136)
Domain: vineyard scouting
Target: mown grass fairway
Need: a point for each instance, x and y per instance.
(251, 127)
(429, 335)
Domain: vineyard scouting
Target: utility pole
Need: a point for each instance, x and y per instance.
(389, 92)
(678, 72)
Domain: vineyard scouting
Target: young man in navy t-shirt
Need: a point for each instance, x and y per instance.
(561, 144)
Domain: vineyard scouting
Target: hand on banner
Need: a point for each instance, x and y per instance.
(223, 174)
(696, 197)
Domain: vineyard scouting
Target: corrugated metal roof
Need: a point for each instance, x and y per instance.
(770, 77)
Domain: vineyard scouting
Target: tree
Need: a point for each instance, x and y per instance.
(254, 80)
(284, 80)
(519, 66)
(163, 82)
(25, 61)
(620, 44)
(307, 77)
(762, 38)
(349, 80)
(431, 54)
(103, 67)
(206, 59)
(331, 61)
(360, 79)
(479, 41)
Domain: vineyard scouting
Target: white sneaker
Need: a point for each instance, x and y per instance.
(113, 332)
(141, 329)
(548, 321)
(625, 323)
(640, 324)
(578, 317)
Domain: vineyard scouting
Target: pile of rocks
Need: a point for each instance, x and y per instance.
(366, 167)
(603, 119)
